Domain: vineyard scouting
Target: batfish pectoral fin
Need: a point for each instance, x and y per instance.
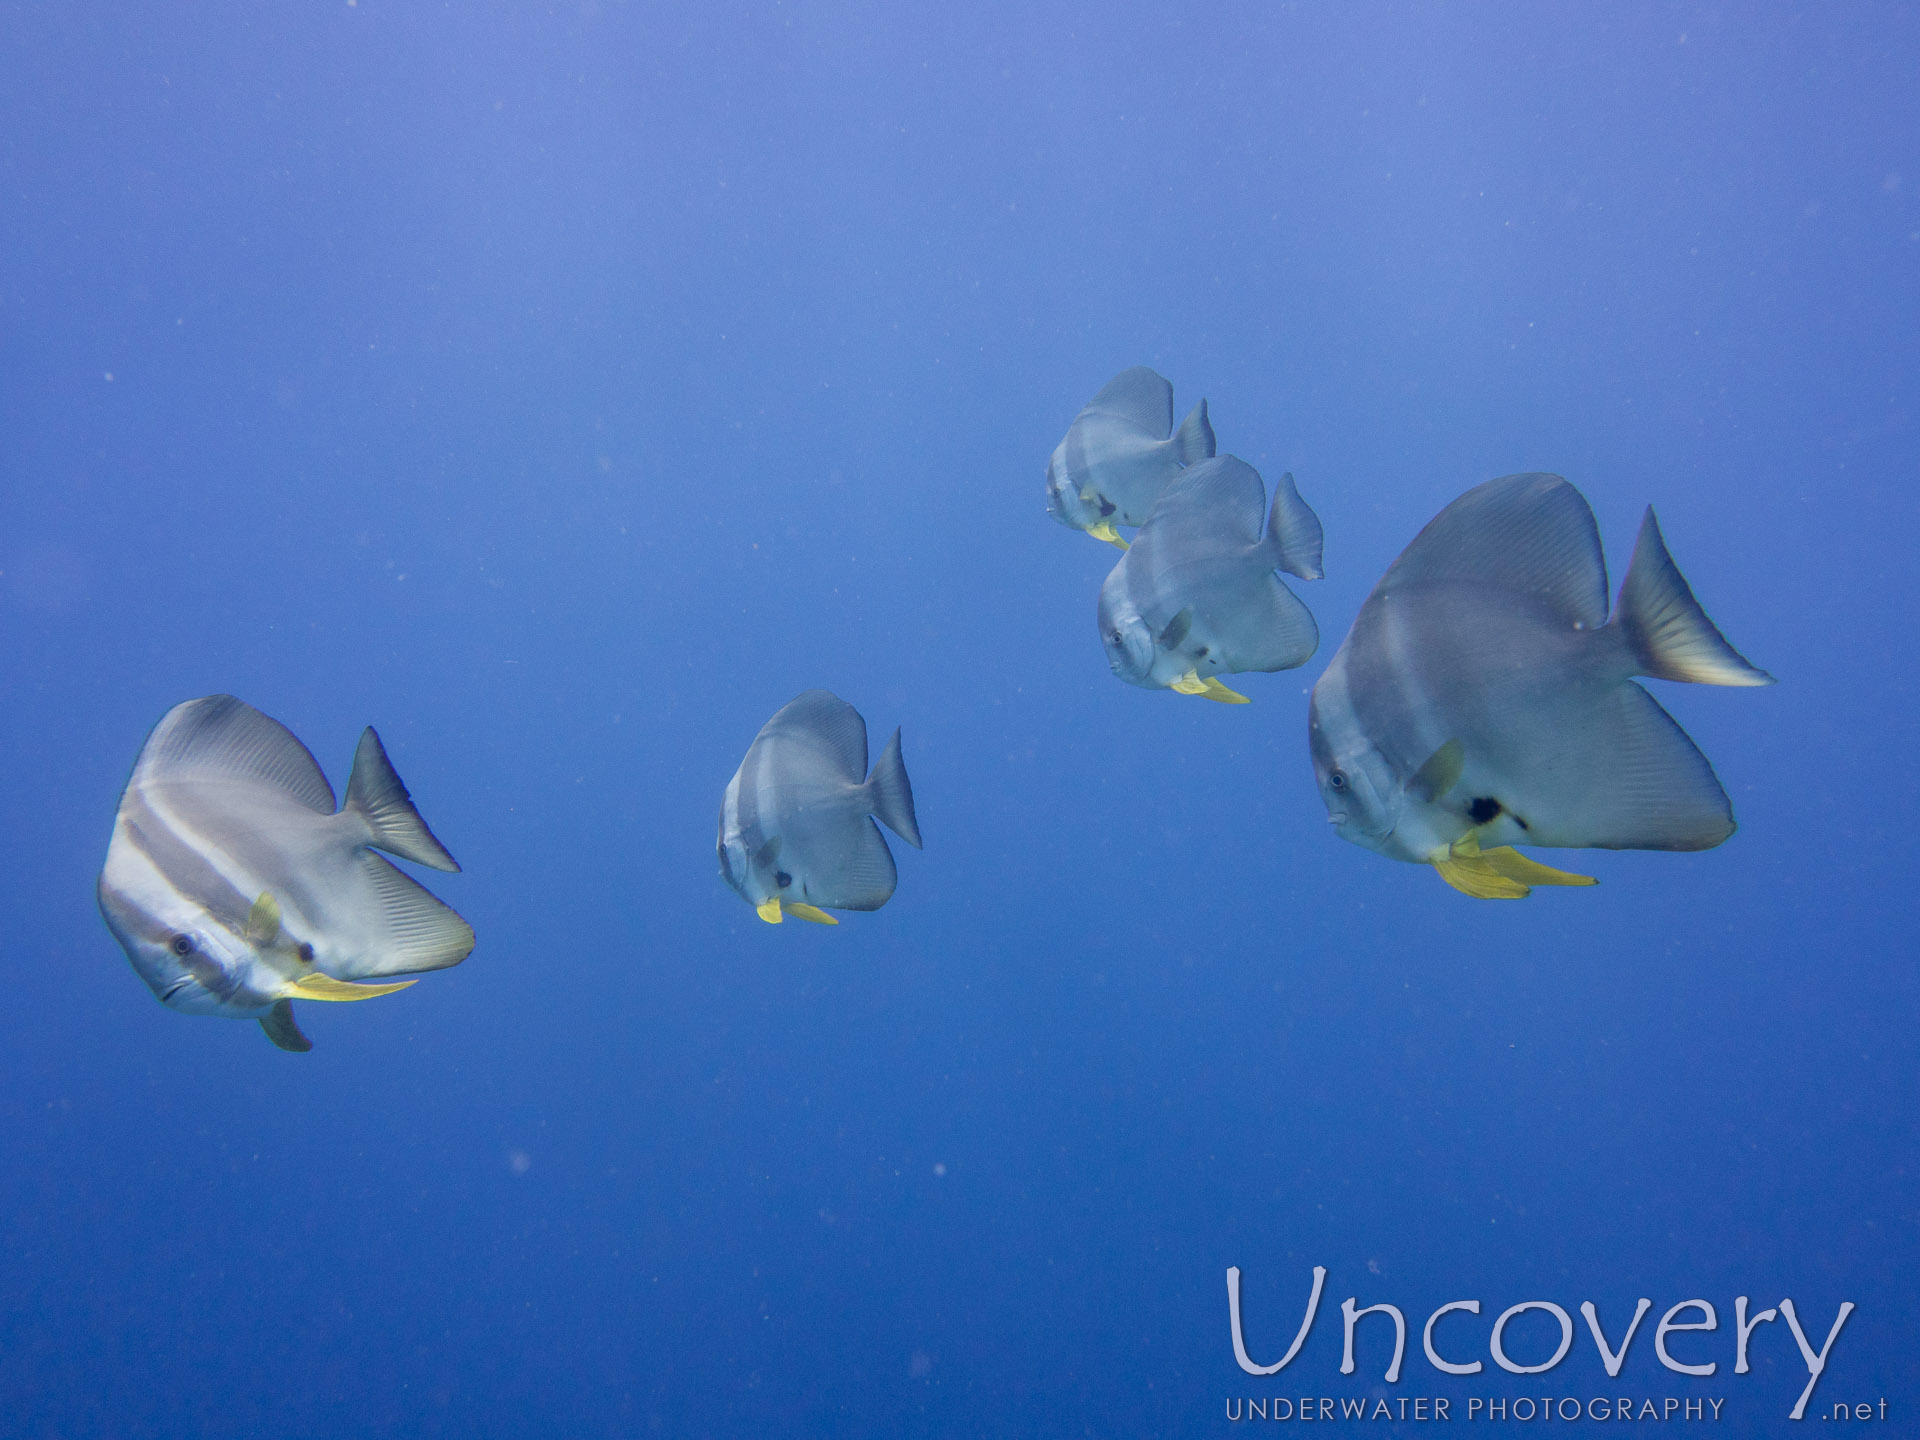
(811, 912)
(1439, 774)
(1515, 866)
(1178, 628)
(282, 1029)
(769, 910)
(263, 922)
(1214, 690)
(325, 987)
(1105, 531)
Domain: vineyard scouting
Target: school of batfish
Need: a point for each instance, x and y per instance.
(1484, 698)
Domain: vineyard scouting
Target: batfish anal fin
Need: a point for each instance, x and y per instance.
(769, 910)
(1105, 531)
(1439, 774)
(263, 921)
(811, 912)
(324, 987)
(283, 1030)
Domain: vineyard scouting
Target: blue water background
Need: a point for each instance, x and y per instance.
(561, 390)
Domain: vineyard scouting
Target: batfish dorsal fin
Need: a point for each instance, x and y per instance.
(283, 1030)
(220, 737)
(375, 792)
(1210, 506)
(1529, 533)
(823, 719)
(1140, 397)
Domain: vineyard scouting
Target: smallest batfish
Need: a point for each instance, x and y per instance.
(1485, 699)
(796, 827)
(1119, 454)
(1196, 596)
(236, 888)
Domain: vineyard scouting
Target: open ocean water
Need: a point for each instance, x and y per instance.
(562, 389)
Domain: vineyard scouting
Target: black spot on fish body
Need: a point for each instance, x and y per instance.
(782, 879)
(1107, 507)
(1484, 809)
(306, 953)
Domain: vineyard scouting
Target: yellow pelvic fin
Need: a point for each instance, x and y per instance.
(811, 912)
(1216, 691)
(1501, 873)
(263, 919)
(769, 910)
(1515, 866)
(1476, 876)
(325, 987)
(1191, 684)
(1105, 531)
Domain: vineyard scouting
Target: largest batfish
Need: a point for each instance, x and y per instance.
(1484, 699)
(236, 888)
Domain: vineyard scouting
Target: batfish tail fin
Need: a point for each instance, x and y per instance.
(1668, 634)
(1293, 535)
(376, 793)
(1193, 441)
(890, 795)
(283, 1030)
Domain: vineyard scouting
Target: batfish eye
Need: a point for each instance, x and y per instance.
(1338, 779)
(181, 944)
